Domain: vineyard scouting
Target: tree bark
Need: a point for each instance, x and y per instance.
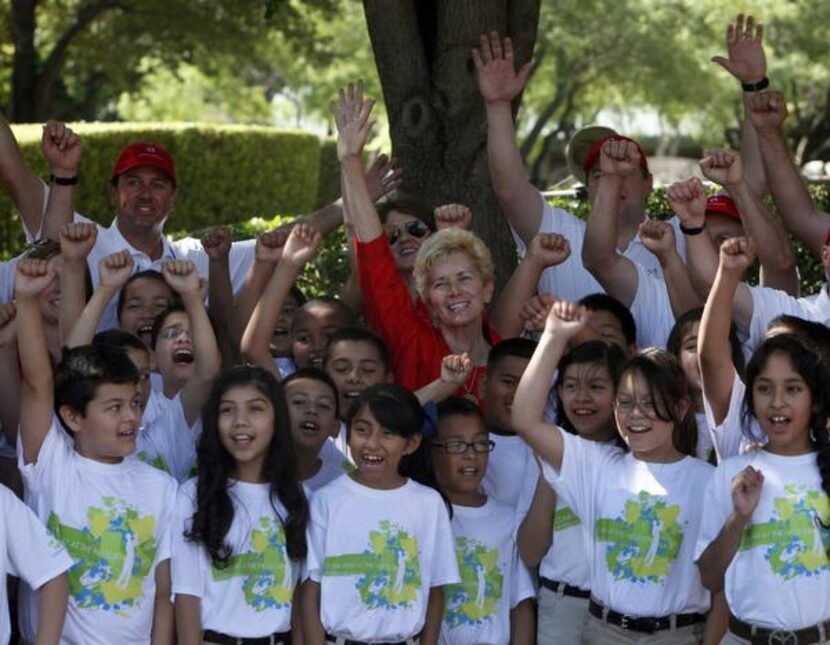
(437, 120)
(24, 60)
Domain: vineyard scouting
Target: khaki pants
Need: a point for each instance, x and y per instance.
(598, 632)
(562, 618)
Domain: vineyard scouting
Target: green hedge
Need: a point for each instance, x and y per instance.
(225, 173)
(810, 267)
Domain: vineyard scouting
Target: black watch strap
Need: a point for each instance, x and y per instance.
(693, 230)
(756, 87)
(64, 181)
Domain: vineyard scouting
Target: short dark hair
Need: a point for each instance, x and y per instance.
(148, 274)
(341, 307)
(117, 339)
(83, 369)
(459, 406)
(314, 374)
(518, 347)
(814, 335)
(298, 295)
(604, 302)
(158, 323)
(408, 206)
(359, 335)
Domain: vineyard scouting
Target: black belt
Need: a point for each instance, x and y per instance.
(646, 625)
(765, 636)
(563, 588)
(348, 641)
(278, 638)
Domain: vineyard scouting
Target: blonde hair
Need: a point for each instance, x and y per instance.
(442, 244)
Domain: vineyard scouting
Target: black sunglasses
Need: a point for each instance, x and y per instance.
(415, 227)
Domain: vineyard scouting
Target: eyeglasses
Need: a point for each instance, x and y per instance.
(415, 227)
(460, 447)
(628, 405)
(172, 333)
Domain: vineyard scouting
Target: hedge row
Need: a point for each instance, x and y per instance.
(225, 174)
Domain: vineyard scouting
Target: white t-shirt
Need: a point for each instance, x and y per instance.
(114, 520)
(780, 575)
(251, 596)
(509, 461)
(376, 554)
(651, 309)
(165, 440)
(110, 241)
(27, 551)
(728, 437)
(567, 559)
(769, 303)
(705, 443)
(7, 270)
(640, 521)
(493, 579)
(335, 451)
(570, 280)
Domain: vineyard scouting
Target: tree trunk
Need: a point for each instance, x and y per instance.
(24, 61)
(436, 116)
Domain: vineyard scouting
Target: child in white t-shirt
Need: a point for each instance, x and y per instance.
(491, 605)
(239, 537)
(640, 511)
(28, 551)
(112, 513)
(380, 548)
(313, 408)
(551, 534)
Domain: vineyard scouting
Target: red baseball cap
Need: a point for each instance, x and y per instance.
(723, 204)
(585, 146)
(144, 154)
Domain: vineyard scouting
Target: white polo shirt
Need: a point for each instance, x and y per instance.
(110, 240)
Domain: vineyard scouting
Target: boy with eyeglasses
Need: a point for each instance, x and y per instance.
(491, 605)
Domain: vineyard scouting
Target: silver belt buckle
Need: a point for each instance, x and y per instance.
(782, 637)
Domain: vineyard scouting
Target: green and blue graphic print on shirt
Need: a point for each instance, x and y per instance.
(388, 572)
(798, 535)
(644, 541)
(113, 555)
(475, 600)
(265, 570)
(564, 518)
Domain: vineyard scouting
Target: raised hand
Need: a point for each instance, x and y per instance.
(62, 149)
(619, 157)
(453, 216)
(351, 114)
(767, 110)
(736, 255)
(746, 491)
(8, 328)
(217, 243)
(114, 270)
(383, 176)
(745, 50)
(456, 369)
(658, 237)
(549, 249)
(723, 167)
(269, 245)
(77, 240)
(182, 276)
(32, 277)
(498, 80)
(302, 245)
(688, 200)
(566, 319)
(534, 311)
